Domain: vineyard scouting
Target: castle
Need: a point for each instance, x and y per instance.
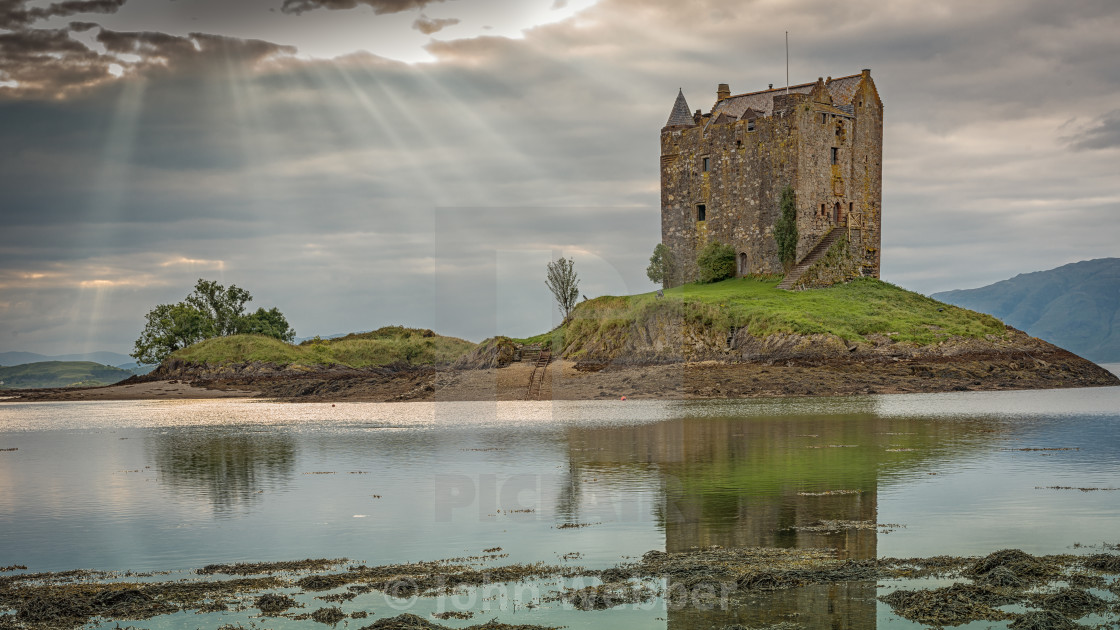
(723, 174)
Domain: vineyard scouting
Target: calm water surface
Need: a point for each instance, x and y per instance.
(175, 485)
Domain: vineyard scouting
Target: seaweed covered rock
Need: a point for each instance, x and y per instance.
(1072, 602)
(1044, 620)
(1105, 562)
(1019, 563)
(408, 621)
(329, 616)
(949, 606)
(273, 604)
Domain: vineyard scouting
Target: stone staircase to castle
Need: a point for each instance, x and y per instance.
(813, 256)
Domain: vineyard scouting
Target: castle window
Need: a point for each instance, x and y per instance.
(835, 155)
(705, 164)
(750, 125)
(700, 211)
(822, 210)
(824, 118)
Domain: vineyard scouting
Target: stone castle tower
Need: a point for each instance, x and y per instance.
(723, 173)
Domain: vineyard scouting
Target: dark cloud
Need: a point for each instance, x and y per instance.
(73, 7)
(48, 62)
(1103, 134)
(15, 14)
(379, 6)
(192, 50)
(427, 25)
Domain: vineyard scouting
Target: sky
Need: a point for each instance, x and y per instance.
(361, 163)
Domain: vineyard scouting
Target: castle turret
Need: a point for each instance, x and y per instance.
(680, 116)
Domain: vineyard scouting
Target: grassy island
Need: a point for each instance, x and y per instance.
(862, 311)
(856, 312)
(384, 346)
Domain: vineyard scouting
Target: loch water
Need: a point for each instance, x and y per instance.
(175, 485)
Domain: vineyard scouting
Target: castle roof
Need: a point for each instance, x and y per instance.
(842, 90)
(680, 115)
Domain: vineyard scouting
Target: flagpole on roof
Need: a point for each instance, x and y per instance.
(787, 62)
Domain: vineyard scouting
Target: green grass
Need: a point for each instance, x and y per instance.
(391, 344)
(60, 374)
(852, 311)
(553, 339)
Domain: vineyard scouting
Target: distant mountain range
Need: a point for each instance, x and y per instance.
(104, 358)
(60, 374)
(299, 340)
(1075, 306)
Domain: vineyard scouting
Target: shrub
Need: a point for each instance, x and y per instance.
(716, 262)
(785, 229)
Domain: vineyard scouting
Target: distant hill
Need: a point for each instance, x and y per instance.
(299, 340)
(1075, 306)
(60, 374)
(103, 357)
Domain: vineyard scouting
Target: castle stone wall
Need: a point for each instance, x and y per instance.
(829, 153)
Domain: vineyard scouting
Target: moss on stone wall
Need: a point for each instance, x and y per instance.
(837, 266)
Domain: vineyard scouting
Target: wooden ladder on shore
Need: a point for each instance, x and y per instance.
(536, 378)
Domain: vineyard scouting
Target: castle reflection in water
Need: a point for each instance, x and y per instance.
(769, 482)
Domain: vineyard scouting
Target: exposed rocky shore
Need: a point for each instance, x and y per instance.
(643, 365)
(1051, 591)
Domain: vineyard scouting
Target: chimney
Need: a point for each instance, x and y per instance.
(771, 87)
(723, 91)
(866, 72)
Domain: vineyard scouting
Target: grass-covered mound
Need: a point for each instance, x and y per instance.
(60, 374)
(701, 316)
(384, 346)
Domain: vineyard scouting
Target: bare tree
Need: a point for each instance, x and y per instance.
(564, 284)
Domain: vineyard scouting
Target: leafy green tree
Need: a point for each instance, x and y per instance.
(662, 266)
(563, 281)
(270, 323)
(211, 310)
(224, 306)
(716, 262)
(785, 229)
(170, 327)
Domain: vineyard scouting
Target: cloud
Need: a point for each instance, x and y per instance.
(427, 25)
(360, 191)
(49, 63)
(15, 14)
(1103, 134)
(194, 50)
(379, 6)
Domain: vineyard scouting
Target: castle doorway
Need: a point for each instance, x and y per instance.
(744, 264)
(836, 218)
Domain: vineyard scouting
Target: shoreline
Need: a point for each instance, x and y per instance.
(563, 381)
(1049, 587)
